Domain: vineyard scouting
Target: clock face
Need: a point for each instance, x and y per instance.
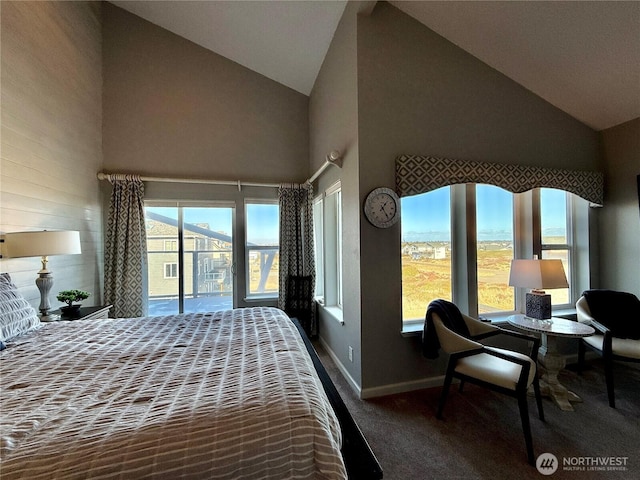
(382, 207)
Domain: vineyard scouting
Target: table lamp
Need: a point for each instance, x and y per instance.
(537, 275)
(42, 244)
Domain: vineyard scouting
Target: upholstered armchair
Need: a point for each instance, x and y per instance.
(504, 371)
(616, 319)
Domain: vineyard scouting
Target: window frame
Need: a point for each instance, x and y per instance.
(318, 245)
(569, 246)
(180, 239)
(331, 252)
(248, 249)
(174, 270)
(527, 242)
(514, 240)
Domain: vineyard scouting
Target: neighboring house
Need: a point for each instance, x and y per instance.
(207, 265)
(425, 250)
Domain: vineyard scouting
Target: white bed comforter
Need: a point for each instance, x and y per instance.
(229, 395)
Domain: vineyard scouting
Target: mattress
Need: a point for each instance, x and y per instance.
(230, 394)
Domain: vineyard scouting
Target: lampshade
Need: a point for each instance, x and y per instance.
(41, 243)
(537, 274)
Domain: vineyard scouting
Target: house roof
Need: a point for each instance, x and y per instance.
(581, 56)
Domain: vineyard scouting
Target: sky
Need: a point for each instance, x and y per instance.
(262, 224)
(262, 221)
(423, 217)
(426, 217)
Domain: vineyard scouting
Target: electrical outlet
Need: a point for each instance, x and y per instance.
(350, 353)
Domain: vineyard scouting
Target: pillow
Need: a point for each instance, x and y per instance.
(17, 316)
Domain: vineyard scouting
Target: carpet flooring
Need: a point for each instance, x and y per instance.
(481, 436)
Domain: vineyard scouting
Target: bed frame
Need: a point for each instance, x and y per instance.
(359, 459)
(130, 348)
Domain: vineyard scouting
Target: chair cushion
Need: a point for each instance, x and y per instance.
(624, 347)
(451, 318)
(618, 311)
(494, 370)
(450, 341)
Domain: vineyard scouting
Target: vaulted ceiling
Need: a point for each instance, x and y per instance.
(581, 56)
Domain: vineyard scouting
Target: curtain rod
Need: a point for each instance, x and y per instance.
(334, 158)
(238, 183)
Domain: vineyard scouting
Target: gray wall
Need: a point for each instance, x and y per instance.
(333, 124)
(173, 108)
(420, 94)
(619, 219)
(51, 138)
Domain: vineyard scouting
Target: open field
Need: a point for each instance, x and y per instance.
(425, 279)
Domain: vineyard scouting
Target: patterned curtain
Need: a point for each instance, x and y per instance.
(125, 256)
(417, 174)
(297, 263)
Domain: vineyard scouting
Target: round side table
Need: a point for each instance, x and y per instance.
(548, 355)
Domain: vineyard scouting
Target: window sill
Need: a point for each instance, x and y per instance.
(260, 298)
(335, 313)
(565, 313)
(501, 319)
(414, 328)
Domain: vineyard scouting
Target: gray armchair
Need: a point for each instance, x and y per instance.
(616, 319)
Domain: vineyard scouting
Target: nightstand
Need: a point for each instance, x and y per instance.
(87, 313)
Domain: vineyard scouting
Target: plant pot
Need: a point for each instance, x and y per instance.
(72, 311)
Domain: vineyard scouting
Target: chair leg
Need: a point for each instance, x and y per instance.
(526, 427)
(608, 375)
(443, 395)
(536, 390)
(461, 386)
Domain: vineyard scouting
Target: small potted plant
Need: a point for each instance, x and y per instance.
(70, 296)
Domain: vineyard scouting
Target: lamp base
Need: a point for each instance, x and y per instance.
(538, 305)
(44, 282)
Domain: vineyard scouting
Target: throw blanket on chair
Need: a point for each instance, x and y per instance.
(452, 319)
(618, 311)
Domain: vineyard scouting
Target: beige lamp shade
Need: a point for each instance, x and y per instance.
(537, 274)
(41, 243)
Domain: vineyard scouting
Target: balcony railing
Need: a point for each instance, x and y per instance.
(208, 279)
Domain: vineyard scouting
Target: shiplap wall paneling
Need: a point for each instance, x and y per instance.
(52, 137)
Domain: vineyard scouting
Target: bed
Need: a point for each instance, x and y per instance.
(230, 394)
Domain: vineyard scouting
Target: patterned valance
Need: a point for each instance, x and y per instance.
(419, 174)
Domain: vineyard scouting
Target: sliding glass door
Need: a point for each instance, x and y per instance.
(190, 258)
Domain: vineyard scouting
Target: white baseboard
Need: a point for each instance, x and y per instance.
(437, 381)
(383, 389)
(402, 387)
(343, 370)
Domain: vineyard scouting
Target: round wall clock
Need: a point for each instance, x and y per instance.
(382, 207)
